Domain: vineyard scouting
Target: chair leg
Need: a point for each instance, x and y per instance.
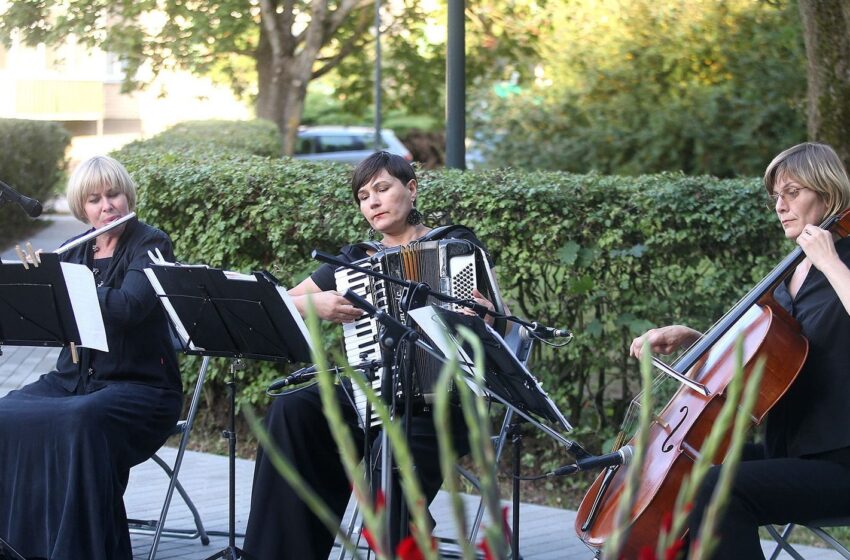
(184, 440)
(352, 523)
(782, 541)
(500, 446)
(830, 540)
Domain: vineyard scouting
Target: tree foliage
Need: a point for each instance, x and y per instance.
(641, 86)
(288, 42)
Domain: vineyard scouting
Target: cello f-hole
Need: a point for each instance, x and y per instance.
(667, 447)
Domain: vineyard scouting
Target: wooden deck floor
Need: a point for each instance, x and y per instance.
(545, 533)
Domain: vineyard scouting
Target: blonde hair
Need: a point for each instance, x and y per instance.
(92, 175)
(818, 168)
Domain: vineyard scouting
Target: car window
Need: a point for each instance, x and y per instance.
(305, 146)
(339, 143)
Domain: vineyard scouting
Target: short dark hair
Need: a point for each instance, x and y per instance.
(394, 164)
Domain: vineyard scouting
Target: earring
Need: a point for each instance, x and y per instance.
(371, 234)
(414, 217)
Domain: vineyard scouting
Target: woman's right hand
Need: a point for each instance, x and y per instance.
(664, 340)
(331, 306)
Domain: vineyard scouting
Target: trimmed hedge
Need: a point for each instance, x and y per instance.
(257, 137)
(32, 161)
(605, 256)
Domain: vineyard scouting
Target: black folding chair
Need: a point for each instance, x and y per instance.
(157, 527)
(817, 527)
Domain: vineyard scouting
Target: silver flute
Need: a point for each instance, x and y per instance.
(80, 240)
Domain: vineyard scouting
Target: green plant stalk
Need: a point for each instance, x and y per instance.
(294, 479)
(411, 488)
(448, 456)
(483, 454)
(708, 451)
(615, 541)
(719, 500)
(351, 460)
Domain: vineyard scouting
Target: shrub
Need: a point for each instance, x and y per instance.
(32, 161)
(258, 137)
(605, 256)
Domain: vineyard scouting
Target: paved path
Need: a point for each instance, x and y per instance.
(61, 227)
(546, 533)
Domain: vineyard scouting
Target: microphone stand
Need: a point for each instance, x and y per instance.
(393, 334)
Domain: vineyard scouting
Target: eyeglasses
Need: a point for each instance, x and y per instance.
(787, 195)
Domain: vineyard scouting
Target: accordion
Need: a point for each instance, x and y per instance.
(451, 266)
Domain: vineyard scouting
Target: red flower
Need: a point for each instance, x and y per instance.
(674, 549)
(370, 540)
(408, 549)
(666, 521)
(506, 528)
(646, 553)
(485, 548)
(380, 501)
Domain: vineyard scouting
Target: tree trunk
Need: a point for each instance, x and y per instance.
(282, 90)
(826, 29)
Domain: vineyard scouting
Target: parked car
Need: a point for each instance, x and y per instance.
(345, 144)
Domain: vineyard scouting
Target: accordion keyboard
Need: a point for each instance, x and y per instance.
(361, 336)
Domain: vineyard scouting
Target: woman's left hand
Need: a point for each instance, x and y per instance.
(480, 300)
(818, 246)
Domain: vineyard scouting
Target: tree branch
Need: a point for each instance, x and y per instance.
(354, 42)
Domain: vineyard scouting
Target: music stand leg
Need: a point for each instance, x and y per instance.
(516, 440)
(232, 552)
(8, 553)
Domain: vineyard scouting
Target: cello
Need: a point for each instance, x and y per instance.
(676, 434)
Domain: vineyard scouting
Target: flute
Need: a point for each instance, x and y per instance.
(79, 241)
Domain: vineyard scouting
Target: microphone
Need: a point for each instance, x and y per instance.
(622, 456)
(30, 205)
(300, 376)
(544, 332)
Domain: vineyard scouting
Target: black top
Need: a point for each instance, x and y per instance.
(812, 418)
(140, 347)
(324, 275)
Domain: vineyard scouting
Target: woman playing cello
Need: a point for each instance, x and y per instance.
(802, 470)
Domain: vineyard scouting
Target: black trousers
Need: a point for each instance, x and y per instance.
(280, 525)
(64, 463)
(772, 491)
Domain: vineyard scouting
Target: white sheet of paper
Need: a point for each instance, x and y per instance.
(290, 305)
(429, 321)
(86, 306)
(172, 313)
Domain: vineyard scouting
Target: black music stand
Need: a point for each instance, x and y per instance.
(235, 316)
(8, 553)
(506, 380)
(505, 377)
(53, 304)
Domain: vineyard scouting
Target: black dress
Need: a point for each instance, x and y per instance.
(280, 525)
(68, 440)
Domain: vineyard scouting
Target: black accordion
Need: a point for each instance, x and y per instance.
(451, 266)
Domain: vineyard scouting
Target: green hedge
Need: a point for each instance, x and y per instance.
(605, 256)
(257, 137)
(32, 160)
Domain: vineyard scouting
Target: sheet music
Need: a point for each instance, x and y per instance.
(290, 305)
(183, 332)
(86, 306)
(430, 322)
